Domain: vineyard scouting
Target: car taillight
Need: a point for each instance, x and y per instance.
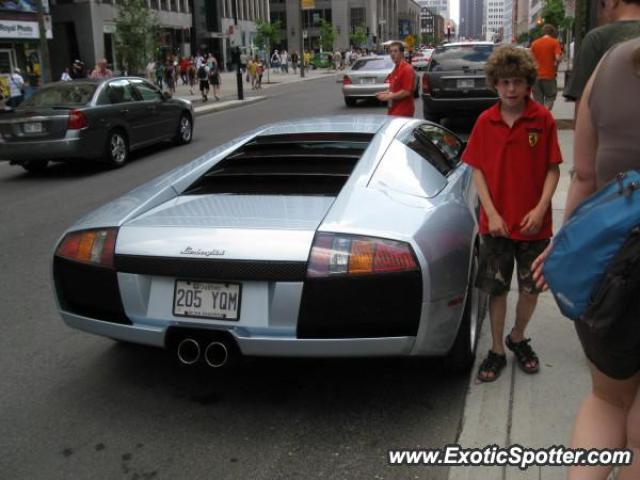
(77, 120)
(337, 254)
(426, 84)
(96, 247)
(346, 80)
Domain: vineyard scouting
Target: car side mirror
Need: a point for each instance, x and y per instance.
(166, 96)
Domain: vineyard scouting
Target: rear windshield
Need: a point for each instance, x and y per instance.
(67, 95)
(460, 57)
(373, 64)
(298, 164)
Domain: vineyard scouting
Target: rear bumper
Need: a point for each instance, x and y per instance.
(253, 344)
(363, 91)
(445, 106)
(74, 145)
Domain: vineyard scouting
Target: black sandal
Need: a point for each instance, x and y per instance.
(494, 363)
(524, 354)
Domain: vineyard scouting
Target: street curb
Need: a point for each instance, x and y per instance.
(228, 105)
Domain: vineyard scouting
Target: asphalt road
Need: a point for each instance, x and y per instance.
(77, 406)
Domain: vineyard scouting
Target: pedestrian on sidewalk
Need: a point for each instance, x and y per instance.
(169, 79)
(101, 70)
(275, 59)
(547, 52)
(606, 144)
(284, 62)
(159, 74)
(192, 76)
(260, 72)
(65, 77)
(623, 23)
(16, 88)
(252, 71)
(295, 58)
(401, 82)
(214, 77)
(514, 152)
(203, 77)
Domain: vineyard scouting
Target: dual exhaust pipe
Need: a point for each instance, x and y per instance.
(215, 354)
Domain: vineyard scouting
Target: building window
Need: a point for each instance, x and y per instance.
(357, 18)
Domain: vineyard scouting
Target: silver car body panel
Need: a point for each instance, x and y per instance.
(389, 194)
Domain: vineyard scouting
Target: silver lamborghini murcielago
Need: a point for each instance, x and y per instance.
(338, 236)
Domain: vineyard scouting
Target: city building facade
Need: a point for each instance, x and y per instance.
(494, 20)
(439, 7)
(19, 41)
(471, 20)
(381, 19)
(219, 26)
(431, 26)
(534, 15)
(86, 29)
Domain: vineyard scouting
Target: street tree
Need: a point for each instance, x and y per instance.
(328, 34)
(136, 38)
(359, 36)
(268, 34)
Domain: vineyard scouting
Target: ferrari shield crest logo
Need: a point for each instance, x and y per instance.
(533, 139)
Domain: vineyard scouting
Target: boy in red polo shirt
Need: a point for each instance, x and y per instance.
(402, 81)
(514, 152)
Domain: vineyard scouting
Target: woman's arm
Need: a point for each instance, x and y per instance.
(585, 147)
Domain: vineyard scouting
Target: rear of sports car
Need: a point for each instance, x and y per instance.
(236, 263)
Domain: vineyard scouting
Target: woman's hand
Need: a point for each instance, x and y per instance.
(537, 266)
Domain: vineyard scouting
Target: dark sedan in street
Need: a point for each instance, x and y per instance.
(454, 82)
(94, 120)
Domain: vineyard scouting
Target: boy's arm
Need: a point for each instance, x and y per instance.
(497, 225)
(532, 221)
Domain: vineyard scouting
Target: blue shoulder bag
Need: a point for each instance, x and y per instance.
(593, 269)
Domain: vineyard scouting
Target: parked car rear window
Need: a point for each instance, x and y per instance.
(460, 57)
(373, 64)
(68, 95)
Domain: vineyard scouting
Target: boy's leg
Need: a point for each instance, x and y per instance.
(526, 253)
(497, 315)
(494, 277)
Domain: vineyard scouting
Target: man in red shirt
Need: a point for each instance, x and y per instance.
(514, 152)
(402, 81)
(547, 52)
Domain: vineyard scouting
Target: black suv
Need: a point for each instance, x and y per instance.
(455, 81)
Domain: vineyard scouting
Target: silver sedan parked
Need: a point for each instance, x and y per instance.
(100, 120)
(366, 78)
(338, 236)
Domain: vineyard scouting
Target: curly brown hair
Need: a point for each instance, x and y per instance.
(510, 62)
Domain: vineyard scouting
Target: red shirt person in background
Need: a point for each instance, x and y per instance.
(547, 52)
(402, 81)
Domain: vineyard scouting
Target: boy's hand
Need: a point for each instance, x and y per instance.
(532, 221)
(497, 226)
(383, 96)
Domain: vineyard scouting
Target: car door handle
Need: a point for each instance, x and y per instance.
(124, 111)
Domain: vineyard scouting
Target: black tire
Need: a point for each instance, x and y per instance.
(463, 352)
(350, 101)
(35, 166)
(116, 149)
(184, 132)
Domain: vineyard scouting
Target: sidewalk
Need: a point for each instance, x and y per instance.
(229, 90)
(530, 410)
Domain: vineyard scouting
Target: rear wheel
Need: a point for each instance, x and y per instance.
(185, 130)
(350, 101)
(463, 352)
(116, 151)
(35, 166)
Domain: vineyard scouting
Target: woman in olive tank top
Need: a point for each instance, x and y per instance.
(607, 141)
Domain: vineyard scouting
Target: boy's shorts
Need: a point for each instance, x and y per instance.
(497, 255)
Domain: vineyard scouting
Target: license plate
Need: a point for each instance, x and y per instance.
(466, 83)
(368, 81)
(35, 127)
(220, 301)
